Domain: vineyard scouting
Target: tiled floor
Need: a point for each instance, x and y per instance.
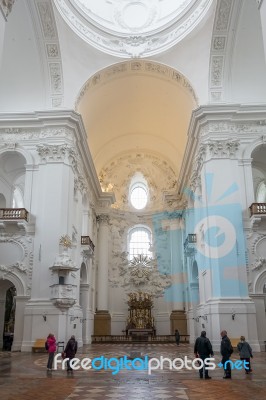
(23, 376)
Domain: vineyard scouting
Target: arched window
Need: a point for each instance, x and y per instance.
(139, 242)
(261, 193)
(138, 191)
(18, 201)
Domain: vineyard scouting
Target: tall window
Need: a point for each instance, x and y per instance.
(261, 193)
(139, 242)
(138, 191)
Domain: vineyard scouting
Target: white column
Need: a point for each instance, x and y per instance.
(84, 302)
(262, 4)
(2, 317)
(102, 279)
(19, 322)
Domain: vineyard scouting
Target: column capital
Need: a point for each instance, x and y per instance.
(103, 219)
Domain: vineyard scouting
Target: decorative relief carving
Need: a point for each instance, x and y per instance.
(195, 179)
(135, 67)
(47, 20)
(139, 274)
(218, 50)
(231, 127)
(217, 70)
(51, 153)
(103, 219)
(223, 15)
(129, 44)
(258, 238)
(56, 78)
(6, 6)
(258, 264)
(216, 96)
(49, 32)
(52, 50)
(219, 43)
(159, 175)
(223, 148)
(259, 2)
(23, 268)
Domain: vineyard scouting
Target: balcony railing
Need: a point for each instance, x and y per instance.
(13, 214)
(86, 241)
(257, 209)
(191, 238)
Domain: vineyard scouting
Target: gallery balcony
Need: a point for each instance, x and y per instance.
(257, 214)
(16, 216)
(87, 245)
(189, 244)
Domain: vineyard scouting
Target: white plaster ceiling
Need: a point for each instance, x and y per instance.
(126, 28)
(129, 112)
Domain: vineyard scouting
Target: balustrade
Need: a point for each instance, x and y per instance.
(13, 214)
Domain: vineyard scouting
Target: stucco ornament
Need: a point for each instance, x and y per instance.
(140, 274)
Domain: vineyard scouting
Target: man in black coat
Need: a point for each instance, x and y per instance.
(203, 350)
(226, 351)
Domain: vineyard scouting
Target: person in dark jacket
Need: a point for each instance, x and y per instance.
(226, 351)
(203, 350)
(245, 353)
(177, 337)
(70, 351)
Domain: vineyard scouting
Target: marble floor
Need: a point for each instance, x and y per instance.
(23, 376)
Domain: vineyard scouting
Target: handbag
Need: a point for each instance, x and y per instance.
(63, 355)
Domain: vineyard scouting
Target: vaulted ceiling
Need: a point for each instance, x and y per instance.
(136, 110)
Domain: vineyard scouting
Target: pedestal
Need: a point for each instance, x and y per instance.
(102, 323)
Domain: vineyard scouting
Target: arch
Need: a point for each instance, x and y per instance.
(19, 149)
(2, 201)
(259, 283)
(11, 276)
(195, 272)
(248, 151)
(83, 274)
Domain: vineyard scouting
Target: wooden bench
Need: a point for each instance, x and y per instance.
(39, 346)
(234, 342)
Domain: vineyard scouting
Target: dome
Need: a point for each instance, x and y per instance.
(127, 28)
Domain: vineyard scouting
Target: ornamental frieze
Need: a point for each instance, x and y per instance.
(223, 148)
(6, 6)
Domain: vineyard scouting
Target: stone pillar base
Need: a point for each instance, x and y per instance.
(178, 321)
(102, 323)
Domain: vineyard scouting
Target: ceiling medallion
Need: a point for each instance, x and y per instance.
(136, 16)
(127, 29)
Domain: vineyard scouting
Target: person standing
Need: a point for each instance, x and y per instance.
(177, 337)
(226, 352)
(245, 353)
(51, 344)
(203, 350)
(70, 351)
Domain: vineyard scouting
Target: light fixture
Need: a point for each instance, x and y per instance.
(233, 314)
(44, 317)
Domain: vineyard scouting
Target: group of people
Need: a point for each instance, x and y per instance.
(203, 350)
(69, 351)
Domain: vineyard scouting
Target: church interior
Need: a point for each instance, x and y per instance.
(132, 171)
